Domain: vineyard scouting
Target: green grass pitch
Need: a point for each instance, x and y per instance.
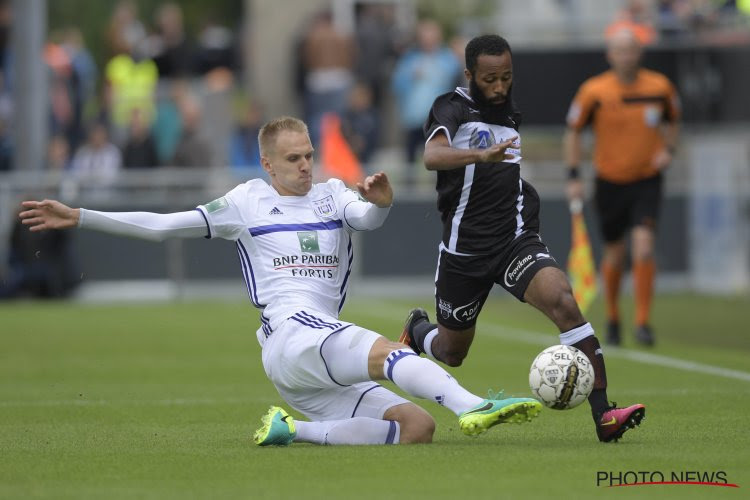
(160, 401)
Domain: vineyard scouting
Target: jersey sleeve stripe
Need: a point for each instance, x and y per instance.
(444, 129)
(343, 288)
(249, 271)
(208, 226)
(244, 274)
(312, 226)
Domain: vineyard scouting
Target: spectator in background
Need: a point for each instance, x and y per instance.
(125, 33)
(6, 115)
(98, 161)
(39, 265)
(167, 127)
(215, 48)
(328, 62)
(376, 47)
(422, 74)
(6, 149)
(60, 72)
(140, 150)
(636, 17)
(83, 81)
(244, 152)
(192, 150)
(170, 48)
(360, 123)
(130, 85)
(58, 153)
(671, 18)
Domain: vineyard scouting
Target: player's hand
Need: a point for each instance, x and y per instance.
(662, 159)
(574, 190)
(48, 214)
(496, 152)
(376, 189)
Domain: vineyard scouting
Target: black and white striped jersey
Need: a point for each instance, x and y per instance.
(483, 205)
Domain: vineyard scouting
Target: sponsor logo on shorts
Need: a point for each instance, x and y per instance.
(468, 312)
(446, 308)
(516, 269)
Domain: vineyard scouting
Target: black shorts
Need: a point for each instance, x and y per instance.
(463, 282)
(623, 206)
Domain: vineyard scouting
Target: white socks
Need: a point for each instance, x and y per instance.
(356, 430)
(576, 334)
(424, 379)
(428, 342)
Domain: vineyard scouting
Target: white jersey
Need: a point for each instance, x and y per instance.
(295, 251)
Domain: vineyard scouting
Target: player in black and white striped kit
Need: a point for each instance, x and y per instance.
(490, 221)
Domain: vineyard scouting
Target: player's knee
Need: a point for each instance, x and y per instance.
(453, 358)
(566, 309)
(417, 427)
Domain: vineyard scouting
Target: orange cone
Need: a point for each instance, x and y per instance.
(337, 157)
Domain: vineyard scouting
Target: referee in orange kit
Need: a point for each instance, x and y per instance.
(634, 114)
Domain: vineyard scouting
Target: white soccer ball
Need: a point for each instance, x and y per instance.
(561, 377)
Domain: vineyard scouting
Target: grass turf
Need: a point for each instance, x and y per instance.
(160, 401)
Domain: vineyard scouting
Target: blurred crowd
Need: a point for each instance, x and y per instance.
(669, 21)
(154, 101)
(150, 103)
(164, 96)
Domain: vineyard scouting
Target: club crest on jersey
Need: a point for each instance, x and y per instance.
(325, 208)
(481, 139)
(446, 308)
(308, 241)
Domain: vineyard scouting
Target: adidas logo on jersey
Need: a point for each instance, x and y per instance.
(275, 211)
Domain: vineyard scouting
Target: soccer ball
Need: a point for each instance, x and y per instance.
(561, 377)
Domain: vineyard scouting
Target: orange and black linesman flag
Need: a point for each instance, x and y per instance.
(581, 268)
(338, 159)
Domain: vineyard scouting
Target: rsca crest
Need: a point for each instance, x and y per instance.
(325, 208)
(481, 139)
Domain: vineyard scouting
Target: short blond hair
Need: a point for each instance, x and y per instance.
(269, 131)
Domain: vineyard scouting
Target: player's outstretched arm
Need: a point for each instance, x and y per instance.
(377, 190)
(48, 214)
(363, 216)
(51, 214)
(440, 155)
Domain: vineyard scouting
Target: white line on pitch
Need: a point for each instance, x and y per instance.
(647, 358)
(125, 402)
(538, 338)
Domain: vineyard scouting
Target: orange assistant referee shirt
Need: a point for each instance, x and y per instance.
(626, 119)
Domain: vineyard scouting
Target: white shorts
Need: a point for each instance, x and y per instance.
(319, 366)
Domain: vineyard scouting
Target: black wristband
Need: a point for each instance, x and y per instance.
(573, 173)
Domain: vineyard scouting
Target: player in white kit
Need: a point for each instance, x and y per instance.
(294, 243)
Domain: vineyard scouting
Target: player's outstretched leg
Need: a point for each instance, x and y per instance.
(277, 428)
(281, 429)
(423, 378)
(416, 327)
(550, 292)
(491, 412)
